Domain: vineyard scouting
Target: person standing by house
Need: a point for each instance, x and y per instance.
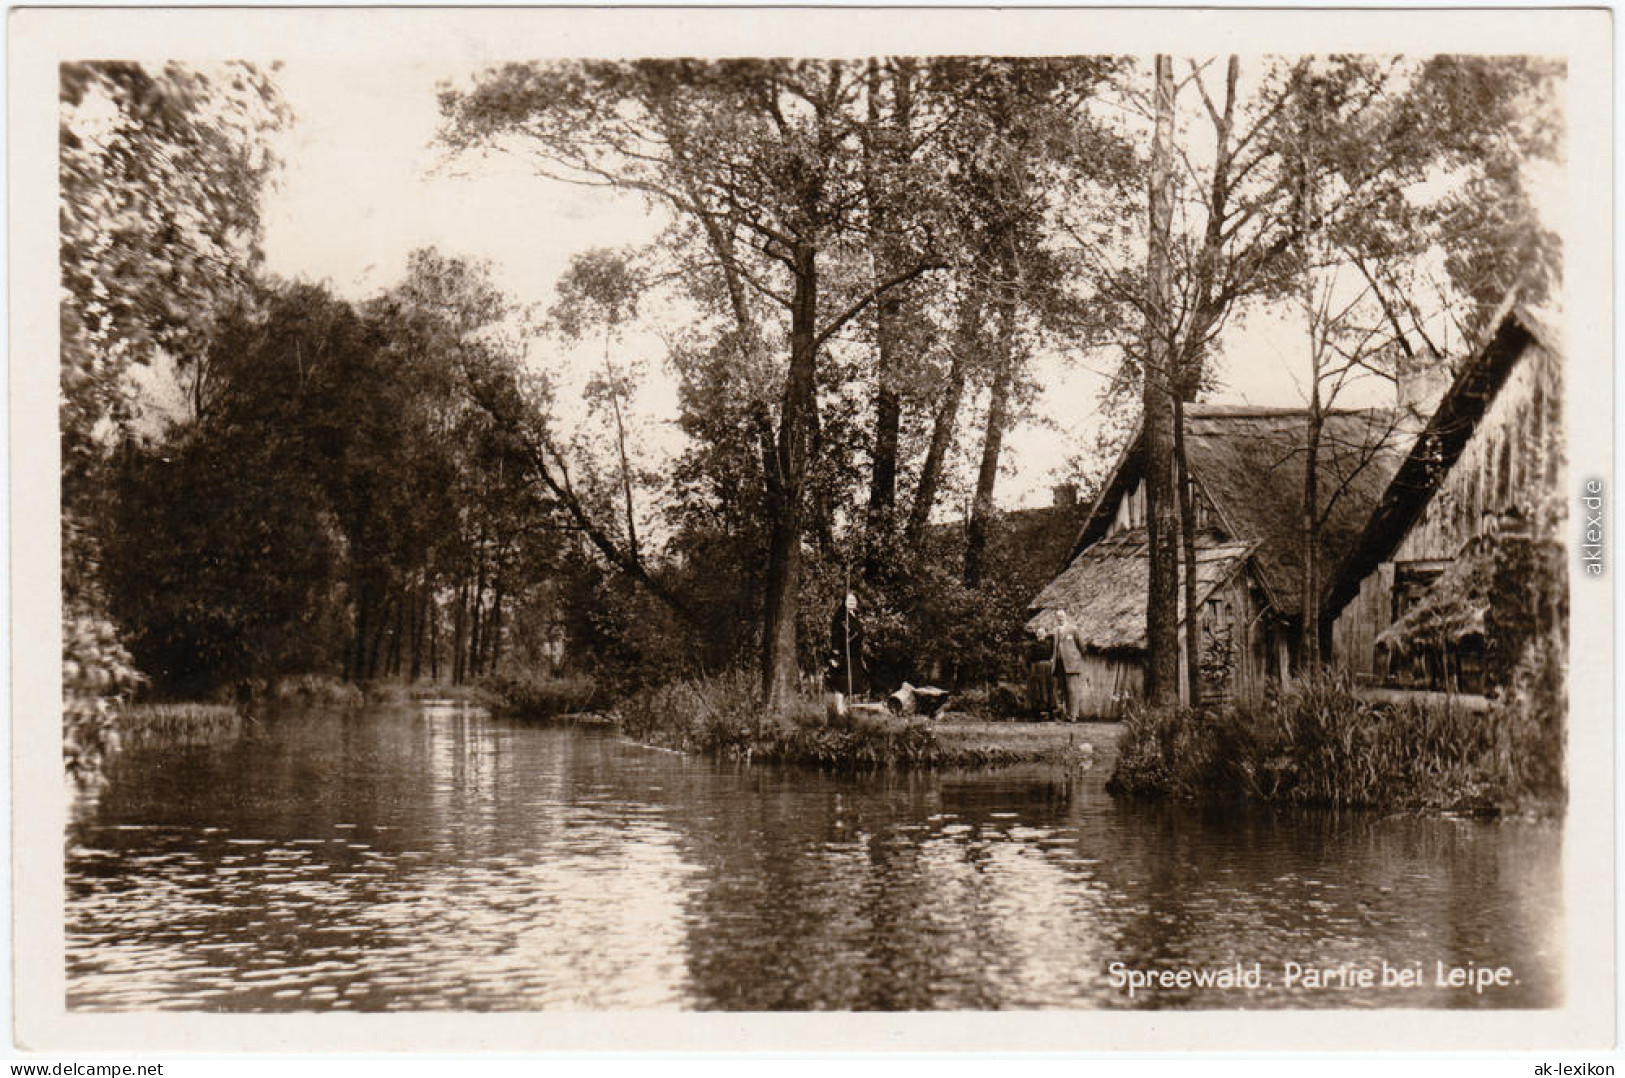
(1068, 671)
(1041, 673)
(845, 673)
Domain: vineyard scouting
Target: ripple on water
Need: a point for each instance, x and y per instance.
(530, 867)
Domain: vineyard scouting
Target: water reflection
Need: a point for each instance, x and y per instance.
(435, 858)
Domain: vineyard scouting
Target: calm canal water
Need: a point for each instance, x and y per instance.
(435, 858)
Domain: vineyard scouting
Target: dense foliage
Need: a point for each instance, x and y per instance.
(160, 174)
(337, 506)
(861, 259)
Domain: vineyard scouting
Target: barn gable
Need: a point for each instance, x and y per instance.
(1489, 463)
(1248, 464)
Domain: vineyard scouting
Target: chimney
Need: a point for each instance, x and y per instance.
(1066, 495)
(1420, 383)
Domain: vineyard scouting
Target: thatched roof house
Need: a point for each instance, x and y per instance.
(1247, 469)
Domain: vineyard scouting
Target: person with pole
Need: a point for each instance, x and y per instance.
(844, 675)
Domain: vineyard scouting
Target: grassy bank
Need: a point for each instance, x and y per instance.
(194, 720)
(969, 737)
(723, 716)
(720, 716)
(1319, 744)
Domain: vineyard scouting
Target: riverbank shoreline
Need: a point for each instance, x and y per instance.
(723, 716)
(966, 740)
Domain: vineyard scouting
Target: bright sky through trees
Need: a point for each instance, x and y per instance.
(364, 185)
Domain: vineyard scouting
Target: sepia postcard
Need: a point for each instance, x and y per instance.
(743, 529)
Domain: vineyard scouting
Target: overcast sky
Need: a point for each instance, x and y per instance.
(363, 186)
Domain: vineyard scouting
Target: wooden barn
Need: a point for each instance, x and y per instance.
(1247, 471)
(1408, 610)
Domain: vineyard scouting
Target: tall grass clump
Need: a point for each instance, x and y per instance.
(1320, 744)
(529, 695)
(178, 723)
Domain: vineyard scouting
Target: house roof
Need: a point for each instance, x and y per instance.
(1249, 462)
(1436, 450)
(1103, 591)
(1026, 547)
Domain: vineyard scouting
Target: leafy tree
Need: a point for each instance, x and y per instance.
(761, 164)
(1161, 425)
(339, 490)
(451, 488)
(225, 561)
(1022, 131)
(160, 174)
(602, 288)
(810, 203)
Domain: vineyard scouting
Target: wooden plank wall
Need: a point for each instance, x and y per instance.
(1354, 633)
(1102, 685)
(1236, 614)
(1130, 512)
(1513, 462)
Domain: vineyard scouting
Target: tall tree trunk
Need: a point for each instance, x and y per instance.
(495, 651)
(998, 418)
(434, 637)
(620, 445)
(1319, 330)
(981, 507)
(414, 631)
(785, 500)
(375, 648)
(476, 620)
(947, 417)
(459, 625)
(888, 311)
(365, 608)
(1187, 530)
(398, 632)
(1309, 639)
(420, 616)
(1162, 599)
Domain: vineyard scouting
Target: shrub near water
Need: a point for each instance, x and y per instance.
(1318, 744)
(538, 696)
(98, 678)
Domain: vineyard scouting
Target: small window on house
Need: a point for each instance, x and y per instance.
(1411, 582)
